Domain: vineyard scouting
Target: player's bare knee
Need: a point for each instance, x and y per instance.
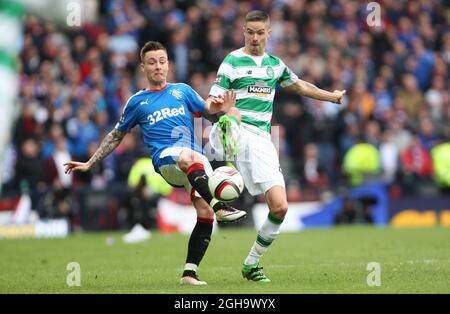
(187, 158)
(279, 210)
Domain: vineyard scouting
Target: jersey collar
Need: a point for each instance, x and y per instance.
(157, 90)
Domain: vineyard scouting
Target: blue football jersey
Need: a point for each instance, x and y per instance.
(164, 118)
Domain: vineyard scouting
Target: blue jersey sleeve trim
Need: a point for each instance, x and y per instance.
(128, 118)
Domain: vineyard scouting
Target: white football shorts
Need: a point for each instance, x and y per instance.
(257, 159)
(173, 174)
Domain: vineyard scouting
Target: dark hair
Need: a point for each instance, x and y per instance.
(151, 46)
(256, 16)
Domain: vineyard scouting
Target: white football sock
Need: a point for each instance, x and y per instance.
(266, 234)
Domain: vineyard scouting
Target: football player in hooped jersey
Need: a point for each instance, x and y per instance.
(245, 131)
(162, 112)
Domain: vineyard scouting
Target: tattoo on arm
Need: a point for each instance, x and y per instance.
(109, 143)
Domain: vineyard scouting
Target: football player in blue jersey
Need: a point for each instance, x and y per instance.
(162, 111)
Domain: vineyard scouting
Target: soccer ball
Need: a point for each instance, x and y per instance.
(226, 184)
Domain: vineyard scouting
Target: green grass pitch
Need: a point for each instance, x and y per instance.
(313, 261)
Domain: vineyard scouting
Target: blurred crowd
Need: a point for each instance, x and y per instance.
(394, 124)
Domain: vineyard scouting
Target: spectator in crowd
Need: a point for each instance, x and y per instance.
(427, 133)
(145, 187)
(30, 168)
(440, 155)
(124, 24)
(436, 97)
(127, 153)
(313, 173)
(362, 163)
(410, 95)
(401, 136)
(389, 157)
(58, 201)
(383, 98)
(417, 164)
(81, 131)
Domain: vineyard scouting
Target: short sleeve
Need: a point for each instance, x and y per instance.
(223, 80)
(287, 77)
(129, 117)
(194, 101)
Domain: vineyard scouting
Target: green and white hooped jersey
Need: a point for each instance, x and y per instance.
(254, 79)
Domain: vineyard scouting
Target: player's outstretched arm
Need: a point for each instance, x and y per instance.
(310, 90)
(109, 143)
(221, 103)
